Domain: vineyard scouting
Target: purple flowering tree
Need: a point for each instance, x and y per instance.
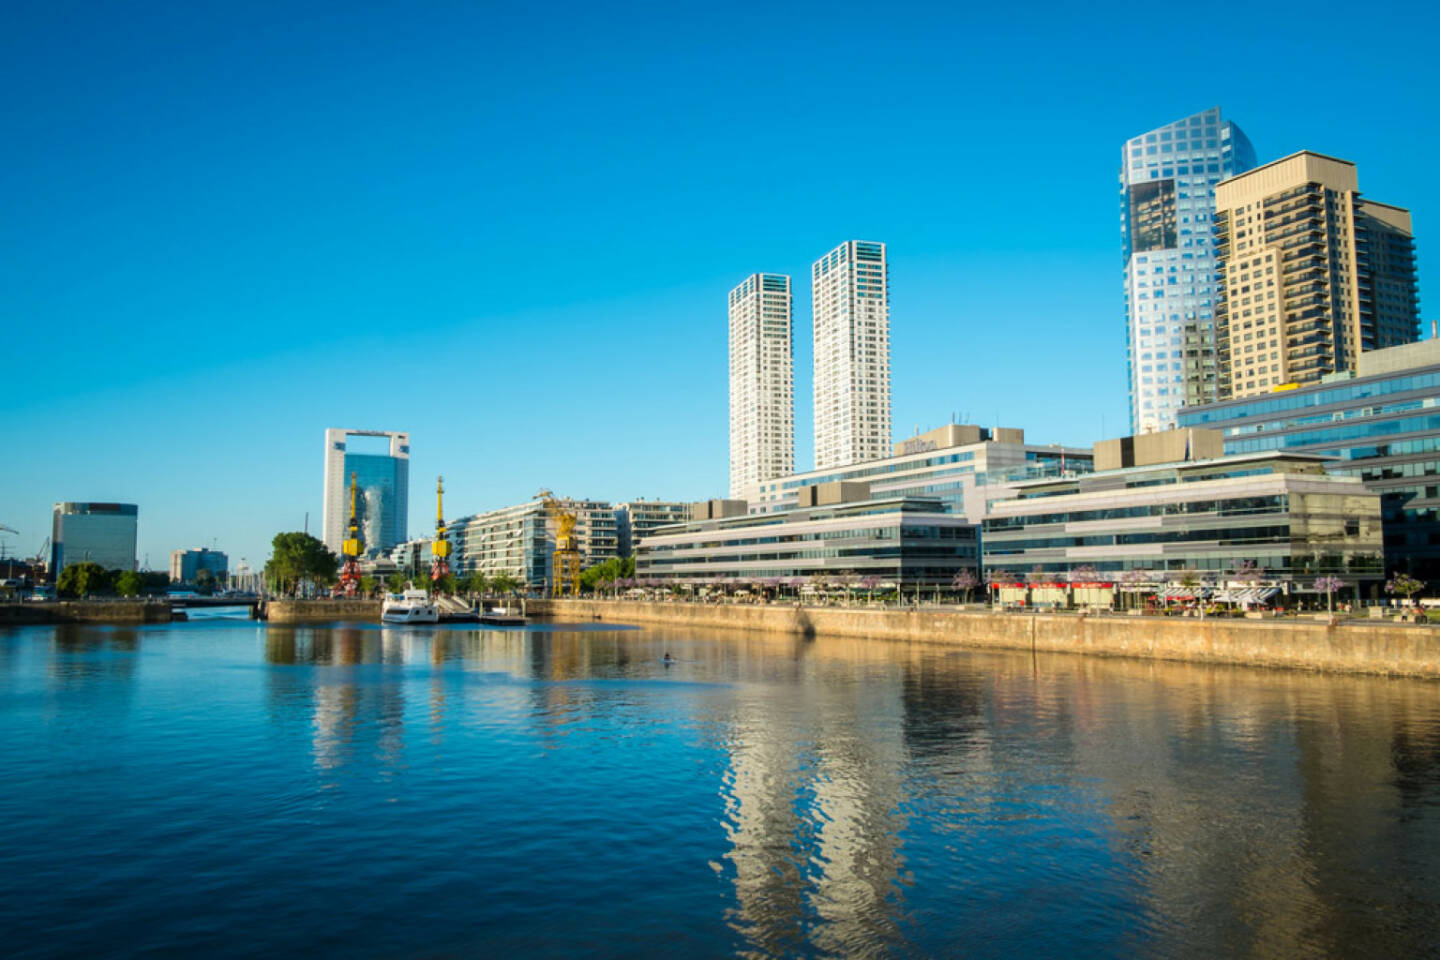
(965, 581)
(1328, 585)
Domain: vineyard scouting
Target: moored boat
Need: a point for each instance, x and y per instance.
(412, 606)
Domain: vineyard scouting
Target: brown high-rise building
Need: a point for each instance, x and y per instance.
(1310, 274)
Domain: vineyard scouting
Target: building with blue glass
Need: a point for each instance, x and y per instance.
(1383, 423)
(102, 533)
(1167, 205)
(382, 481)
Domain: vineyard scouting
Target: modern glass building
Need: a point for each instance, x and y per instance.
(636, 520)
(1167, 205)
(383, 490)
(520, 539)
(902, 541)
(185, 565)
(962, 465)
(102, 533)
(1280, 511)
(1382, 422)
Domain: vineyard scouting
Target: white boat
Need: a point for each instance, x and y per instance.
(412, 606)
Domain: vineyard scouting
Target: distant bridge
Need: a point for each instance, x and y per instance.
(181, 603)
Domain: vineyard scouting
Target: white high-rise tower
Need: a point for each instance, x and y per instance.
(762, 382)
(851, 286)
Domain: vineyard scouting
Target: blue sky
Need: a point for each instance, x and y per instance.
(511, 229)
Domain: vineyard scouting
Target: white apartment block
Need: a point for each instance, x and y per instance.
(762, 381)
(851, 287)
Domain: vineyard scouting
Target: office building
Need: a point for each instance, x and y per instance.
(962, 465)
(636, 519)
(762, 374)
(102, 533)
(1280, 511)
(520, 539)
(413, 557)
(1383, 423)
(383, 488)
(851, 290)
(840, 536)
(185, 565)
(1167, 201)
(1310, 275)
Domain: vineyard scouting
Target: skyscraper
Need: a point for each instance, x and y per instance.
(851, 288)
(383, 489)
(762, 381)
(1167, 205)
(102, 533)
(1310, 274)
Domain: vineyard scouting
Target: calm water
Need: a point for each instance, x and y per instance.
(223, 788)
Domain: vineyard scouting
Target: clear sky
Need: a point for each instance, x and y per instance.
(511, 229)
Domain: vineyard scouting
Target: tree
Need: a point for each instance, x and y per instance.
(504, 582)
(1401, 583)
(1085, 573)
(296, 557)
(445, 586)
(396, 582)
(204, 581)
(129, 583)
(367, 586)
(1328, 585)
(473, 583)
(82, 579)
(965, 581)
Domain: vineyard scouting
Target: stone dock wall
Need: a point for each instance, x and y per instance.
(1349, 647)
(319, 611)
(86, 611)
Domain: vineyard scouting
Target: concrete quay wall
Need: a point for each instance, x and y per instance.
(1360, 647)
(86, 611)
(319, 611)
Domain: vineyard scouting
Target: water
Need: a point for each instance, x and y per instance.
(227, 789)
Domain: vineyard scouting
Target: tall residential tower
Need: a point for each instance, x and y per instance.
(1310, 274)
(1167, 204)
(762, 382)
(382, 485)
(851, 288)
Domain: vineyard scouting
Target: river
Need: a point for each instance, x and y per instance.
(224, 788)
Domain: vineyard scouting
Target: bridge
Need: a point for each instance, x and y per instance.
(182, 603)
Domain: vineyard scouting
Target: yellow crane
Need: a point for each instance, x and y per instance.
(567, 551)
(351, 548)
(440, 546)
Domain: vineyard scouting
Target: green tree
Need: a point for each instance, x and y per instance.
(82, 579)
(397, 582)
(504, 582)
(204, 581)
(298, 556)
(608, 571)
(367, 586)
(155, 581)
(129, 583)
(445, 585)
(473, 583)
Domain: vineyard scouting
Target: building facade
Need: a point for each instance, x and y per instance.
(185, 565)
(635, 520)
(1167, 204)
(904, 541)
(520, 539)
(103, 533)
(762, 380)
(1280, 511)
(383, 490)
(413, 557)
(851, 295)
(1382, 422)
(961, 465)
(1311, 275)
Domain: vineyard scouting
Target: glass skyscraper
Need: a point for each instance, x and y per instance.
(382, 483)
(1167, 209)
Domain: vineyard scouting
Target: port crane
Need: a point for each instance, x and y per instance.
(351, 548)
(440, 546)
(567, 552)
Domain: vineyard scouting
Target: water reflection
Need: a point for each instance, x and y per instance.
(768, 795)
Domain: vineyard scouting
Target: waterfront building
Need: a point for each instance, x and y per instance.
(520, 539)
(1311, 275)
(413, 557)
(383, 487)
(1281, 511)
(962, 465)
(840, 537)
(850, 287)
(1381, 420)
(1167, 204)
(185, 565)
(87, 532)
(762, 380)
(636, 519)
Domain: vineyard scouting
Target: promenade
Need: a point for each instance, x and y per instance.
(1324, 644)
